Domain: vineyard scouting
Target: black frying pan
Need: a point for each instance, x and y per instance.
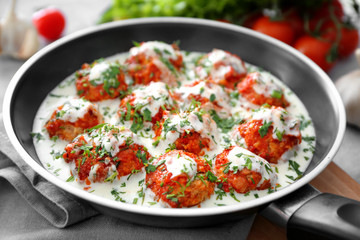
(51, 65)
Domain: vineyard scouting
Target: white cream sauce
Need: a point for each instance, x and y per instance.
(281, 121)
(153, 49)
(240, 158)
(220, 63)
(182, 164)
(153, 97)
(264, 84)
(97, 70)
(74, 109)
(132, 188)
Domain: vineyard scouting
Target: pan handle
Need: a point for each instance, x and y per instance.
(321, 216)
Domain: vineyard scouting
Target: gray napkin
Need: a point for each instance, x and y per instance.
(61, 210)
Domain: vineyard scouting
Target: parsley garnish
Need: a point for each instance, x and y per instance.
(211, 177)
(136, 44)
(37, 136)
(152, 168)
(116, 195)
(147, 115)
(279, 134)
(295, 166)
(70, 179)
(264, 128)
(225, 124)
(112, 177)
(276, 94)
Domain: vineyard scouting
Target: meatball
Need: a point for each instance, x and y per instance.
(72, 118)
(243, 171)
(179, 179)
(192, 131)
(100, 81)
(259, 89)
(210, 95)
(147, 104)
(269, 133)
(222, 68)
(104, 153)
(153, 62)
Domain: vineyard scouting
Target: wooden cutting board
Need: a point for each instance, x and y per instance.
(332, 180)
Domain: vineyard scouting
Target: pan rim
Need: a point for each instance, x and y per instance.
(169, 212)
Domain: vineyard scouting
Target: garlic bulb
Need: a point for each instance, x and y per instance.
(349, 89)
(18, 38)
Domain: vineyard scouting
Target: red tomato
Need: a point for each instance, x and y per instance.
(348, 42)
(349, 39)
(324, 11)
(251, 18)
(297, 23)
(223, 20)
(316, 49)
(280, 30)
(321, 18)
(50, 23)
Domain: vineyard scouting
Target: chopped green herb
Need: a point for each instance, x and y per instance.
(147, 115)
(211, 177)
(117, 196)
(220, 194)
(136, 44)
(55, 95)
(37, 136)
(264, 128)
(276, 94)
(112, 177)
(279, 134)
(232, 194)
(225, 124)
(295, 166)
(70, 179)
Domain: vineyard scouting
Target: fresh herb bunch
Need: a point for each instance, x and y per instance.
(228, 10)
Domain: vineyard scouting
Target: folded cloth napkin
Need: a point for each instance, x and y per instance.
(62, 209)
(58, 207)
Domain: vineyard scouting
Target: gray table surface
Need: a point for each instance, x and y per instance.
(84, 13)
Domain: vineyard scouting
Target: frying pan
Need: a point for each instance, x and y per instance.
(48, 67)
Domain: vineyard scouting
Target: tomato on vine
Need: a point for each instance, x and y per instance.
(348, 42)
(317, 49)
(279, 29)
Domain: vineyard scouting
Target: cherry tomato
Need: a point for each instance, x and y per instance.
(348, 42)
(321, 18)
(280, 30)
(349, 39)
(297, 23)
(316, 49)
(251, 18)
(325, 10)
(223, 20)
(50, 23)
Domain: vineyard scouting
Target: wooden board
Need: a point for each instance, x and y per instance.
(332, 180)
